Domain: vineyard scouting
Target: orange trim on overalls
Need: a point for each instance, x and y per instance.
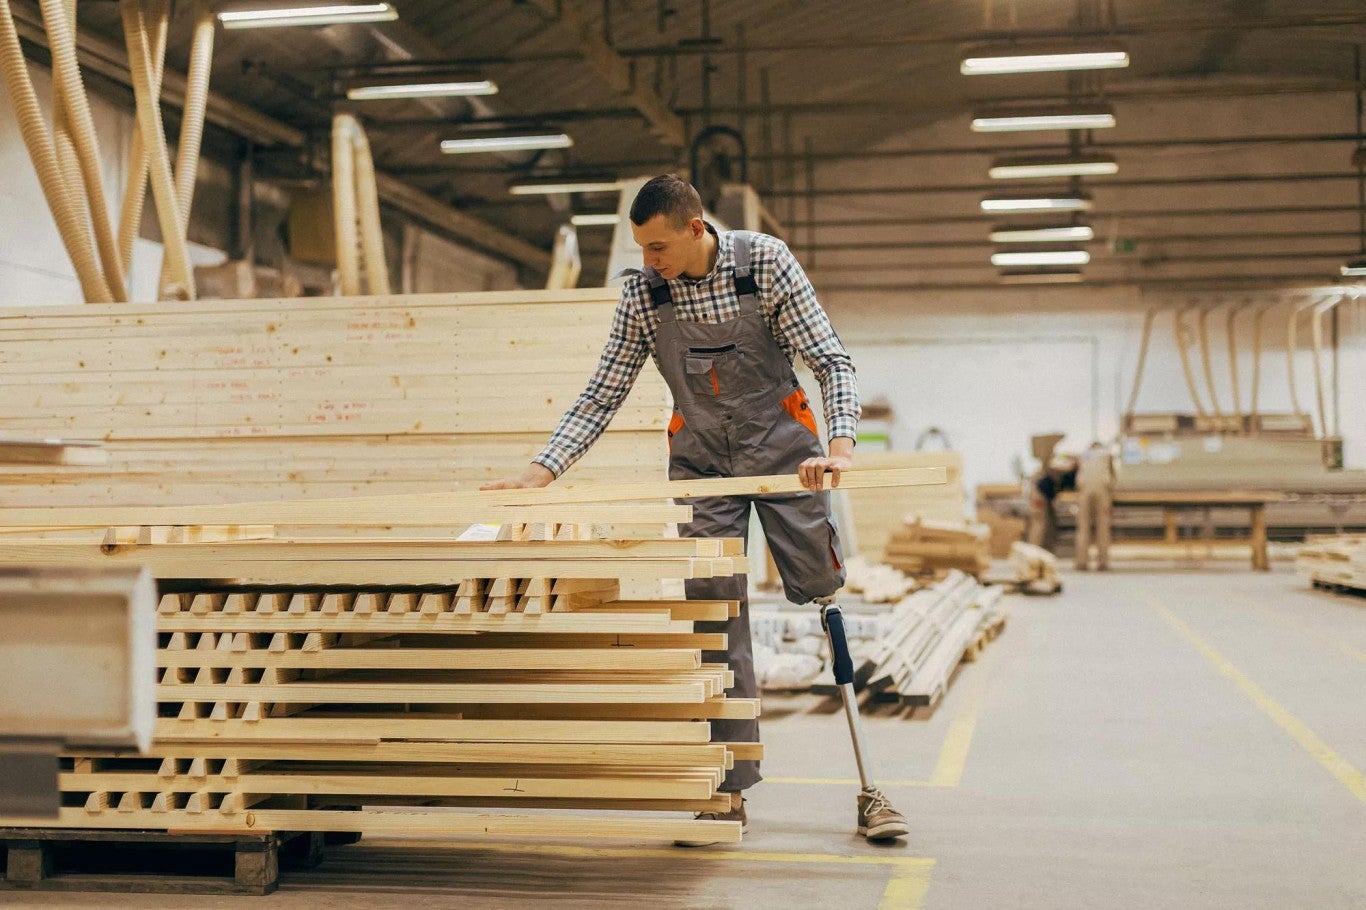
(675, 424)
(800, 411)
(715, 386)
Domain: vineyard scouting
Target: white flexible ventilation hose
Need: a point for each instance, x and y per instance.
(61, 36)
(191, 124)
(179, 272)
(1207, 365)
(355, 195)
(1179, 325)
(135, 192)
(42, 151)
(1149, 319)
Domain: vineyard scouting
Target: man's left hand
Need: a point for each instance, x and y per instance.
(812, 472)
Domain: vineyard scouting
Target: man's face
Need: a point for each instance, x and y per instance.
(666, 248)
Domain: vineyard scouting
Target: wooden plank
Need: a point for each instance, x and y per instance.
(585, 753)
(396, 822)
(442, 659)
(393, 511)
(420, 726)
(418, 549)
(52, 451)
(437, 693)
(409, 623)
(507, 788)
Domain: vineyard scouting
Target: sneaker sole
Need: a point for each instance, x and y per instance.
(889, 831)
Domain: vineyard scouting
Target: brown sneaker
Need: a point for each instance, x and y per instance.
(736, 814)
(877, 820)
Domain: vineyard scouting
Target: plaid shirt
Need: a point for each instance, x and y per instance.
(789, 307)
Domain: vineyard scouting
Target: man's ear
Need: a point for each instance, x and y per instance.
(698, 228)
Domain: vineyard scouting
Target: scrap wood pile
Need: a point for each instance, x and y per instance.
(1036, 569)
(934, 548)
(301, 679)
(905, 654)
(1336, 563)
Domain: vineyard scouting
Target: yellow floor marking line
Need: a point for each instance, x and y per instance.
(905, 890)
(1354, 653)
(1324, 754)
(953, 753)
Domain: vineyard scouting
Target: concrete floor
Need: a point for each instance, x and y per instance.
(1190, 739)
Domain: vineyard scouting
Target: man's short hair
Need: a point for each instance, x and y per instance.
(669, 195)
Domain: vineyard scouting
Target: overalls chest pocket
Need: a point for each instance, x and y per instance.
(722, 372)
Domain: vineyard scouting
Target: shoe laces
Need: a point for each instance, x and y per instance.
(877, 803)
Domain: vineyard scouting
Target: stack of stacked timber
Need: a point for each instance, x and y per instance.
(1335, 563)
(876, 583)
(877, 514)
(935, 548)
(373, 685)
(1036, 569)
(275, 399)
(302, 679)
(927, 635)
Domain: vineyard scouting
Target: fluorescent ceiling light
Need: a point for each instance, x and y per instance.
(1008, 234)
(1032, 167)
(1018, 119)
(1356, 268)
(422, 90)
(505, 144)
(314, 14)
(1051, 257)
(1032, 58)
(602, 219)
(1066, 203)
(551, 185)
(1046, 276)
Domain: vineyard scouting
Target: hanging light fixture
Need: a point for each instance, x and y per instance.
(422, 90)
(1041, 258)
(596, 219)
(268, 16)
(550, 186)
(1038, 202)
(1024, 57)
(1042, 233)
(1053, 117)
(506, 144)
(1032, 167)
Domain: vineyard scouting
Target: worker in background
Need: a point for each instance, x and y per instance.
(1059, 473)
(1095, 499)
(723, 315)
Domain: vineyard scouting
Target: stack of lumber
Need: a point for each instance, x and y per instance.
(272, 399)
(927, 635)
(876, 514)
(1036, 569)
(925, 547)
(302, 679)
(375, 685)
(1336, 563)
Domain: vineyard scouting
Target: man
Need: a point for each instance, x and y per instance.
(723, 315)
(1095, 503)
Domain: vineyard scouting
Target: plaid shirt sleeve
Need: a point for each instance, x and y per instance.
(622, 357)
(804, 325)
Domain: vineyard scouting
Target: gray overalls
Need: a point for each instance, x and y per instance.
(738, 411)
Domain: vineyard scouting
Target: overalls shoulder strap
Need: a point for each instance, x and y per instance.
(746, 288)
(659, 291)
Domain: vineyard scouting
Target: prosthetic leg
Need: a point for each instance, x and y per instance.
(877, 820)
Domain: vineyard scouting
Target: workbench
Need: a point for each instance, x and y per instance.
(1173, 502)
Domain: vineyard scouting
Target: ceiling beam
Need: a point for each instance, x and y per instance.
(1219, 282)
(979, 217)
(985, 243)
(573, 17)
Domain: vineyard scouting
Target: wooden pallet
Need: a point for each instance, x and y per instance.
(71, 859)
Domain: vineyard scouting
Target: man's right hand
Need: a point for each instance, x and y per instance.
(535, 475)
